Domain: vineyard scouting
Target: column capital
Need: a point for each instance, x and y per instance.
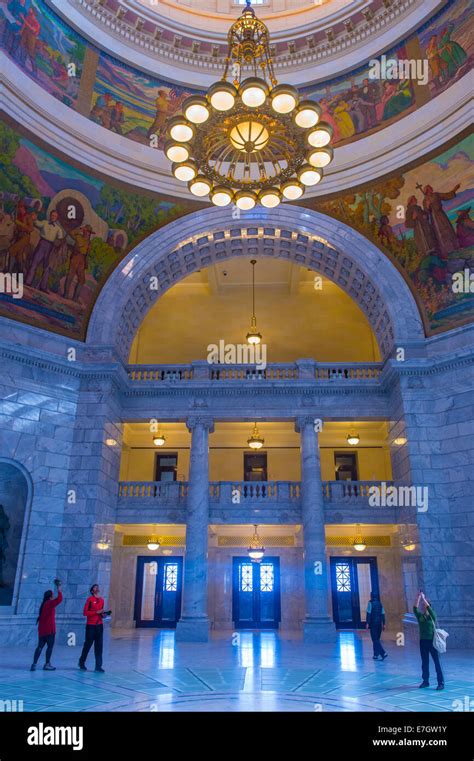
(207, 422)
(304, 420)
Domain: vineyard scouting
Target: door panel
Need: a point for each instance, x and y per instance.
(158, 591)
(256, 593)
(352, 581)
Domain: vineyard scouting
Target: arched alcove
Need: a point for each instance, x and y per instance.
(306, 237)
(15, 499)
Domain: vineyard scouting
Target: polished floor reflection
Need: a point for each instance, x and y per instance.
(241, 671)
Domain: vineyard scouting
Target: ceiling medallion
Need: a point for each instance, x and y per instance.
(251, 140)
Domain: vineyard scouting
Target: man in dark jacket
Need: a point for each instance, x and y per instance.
(376, 623)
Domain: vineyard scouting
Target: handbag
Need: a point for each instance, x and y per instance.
(439, 640)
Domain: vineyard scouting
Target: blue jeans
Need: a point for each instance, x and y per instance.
(426, 649)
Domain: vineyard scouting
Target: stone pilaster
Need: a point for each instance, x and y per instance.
(194, 623)
(317, 625)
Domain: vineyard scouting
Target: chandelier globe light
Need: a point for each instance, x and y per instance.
(256, 550)
(255, 441)
(251, 140)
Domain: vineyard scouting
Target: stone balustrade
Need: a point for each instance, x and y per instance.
(302, 370)
(344, 501)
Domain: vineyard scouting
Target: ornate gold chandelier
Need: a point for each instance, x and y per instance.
(251, 140)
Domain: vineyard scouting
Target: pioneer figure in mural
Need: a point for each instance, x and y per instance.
(20, 249)
(81, 242)
(52, 234)
(102, 111)
(439, 69)
(369, 97)
(15, 15)
(452, 53)
(4, 529)
(446, 240)
(418, 220)
(29, 38)
(161, 116)
(465, 228)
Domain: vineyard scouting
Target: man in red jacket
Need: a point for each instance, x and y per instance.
(47, 627)
(94, 613)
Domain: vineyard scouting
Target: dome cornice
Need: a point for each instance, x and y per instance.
(160, 46)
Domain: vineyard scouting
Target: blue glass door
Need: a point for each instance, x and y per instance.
(158, 591)
(352, 581)
(256, 593)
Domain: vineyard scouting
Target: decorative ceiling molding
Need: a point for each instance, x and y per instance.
(361, 29)
(204, 237)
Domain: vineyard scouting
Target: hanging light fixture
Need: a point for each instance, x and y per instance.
(159, 439)
(407, 541)
(251, 140)
(153, 543)
(103, 543)
(255, 441)
(256, 550)
(358, 542)
(253, 336)
(353, 439)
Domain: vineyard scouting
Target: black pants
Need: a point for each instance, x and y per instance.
(94, 636)
(47, 640)
(375, 634)
(427, 649)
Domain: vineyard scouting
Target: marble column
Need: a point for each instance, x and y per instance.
(317, 625)
(194, 623)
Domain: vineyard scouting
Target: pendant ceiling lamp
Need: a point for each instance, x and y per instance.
(153, 543)
(250, 140)
(253, 336)
(353, 439)
(159, 439)
(255, 441)
(256, 550)
(358, 542)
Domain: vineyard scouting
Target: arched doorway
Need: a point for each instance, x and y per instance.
(15, 499)
(306, 237)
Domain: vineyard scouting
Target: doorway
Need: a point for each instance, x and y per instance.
(158, 591)
(166, 466)
(352, 581)
(255, 466)
(256, 593)
(345, 465)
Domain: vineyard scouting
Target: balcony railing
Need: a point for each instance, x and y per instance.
(172, 491)
(303, 370)
(228, 493)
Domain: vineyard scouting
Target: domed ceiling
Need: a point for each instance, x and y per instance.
(193, 33)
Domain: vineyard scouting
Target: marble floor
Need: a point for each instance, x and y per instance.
(147, 671)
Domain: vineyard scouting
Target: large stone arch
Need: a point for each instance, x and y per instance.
(307, 237)
(16, 490)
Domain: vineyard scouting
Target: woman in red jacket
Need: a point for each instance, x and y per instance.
(47, 627)
(94, 613)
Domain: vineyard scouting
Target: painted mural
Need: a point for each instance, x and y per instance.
(448, 43)
(48, 50)
(358, 105)
(423, 219)
(64, 230)
(132, 103)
